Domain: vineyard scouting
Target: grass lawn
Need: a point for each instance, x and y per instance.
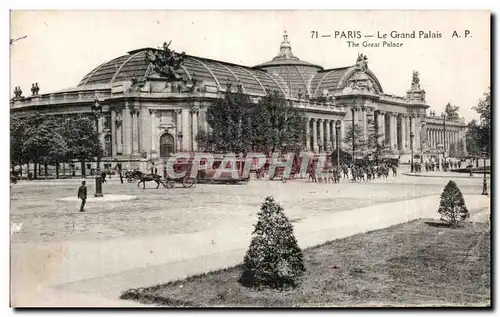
(417, 263)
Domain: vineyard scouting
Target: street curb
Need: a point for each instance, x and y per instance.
(442, 176)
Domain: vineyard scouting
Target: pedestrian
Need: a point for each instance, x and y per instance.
(103, 177)
(82, 194)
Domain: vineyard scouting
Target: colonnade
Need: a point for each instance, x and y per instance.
(321, 134)
(128, 139)
(437, 138)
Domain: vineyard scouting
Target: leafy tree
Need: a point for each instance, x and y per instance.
(239, 125)
(42, 143)
(345, 157)
(483, 133)
(473, 138)
(451, 112)
(277, 125)
(357, 133)
(39, 138)
(229, 122)
(452, 205)
(82, 139)
(453, 150)
(19, 125)
(274, 258)
(379, 151)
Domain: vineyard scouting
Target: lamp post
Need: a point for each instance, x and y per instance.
(411, 149)
(97, 111)
(485, 186)
(337, 130)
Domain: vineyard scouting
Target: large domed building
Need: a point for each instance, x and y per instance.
(146, 117)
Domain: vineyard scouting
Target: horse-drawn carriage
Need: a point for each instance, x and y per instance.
(192, 172)
(215, 173)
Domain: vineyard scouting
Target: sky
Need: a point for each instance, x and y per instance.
(62, 46)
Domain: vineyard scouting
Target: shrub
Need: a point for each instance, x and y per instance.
(274, 258)
(452, 206)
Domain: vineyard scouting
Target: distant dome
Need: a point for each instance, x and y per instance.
(286, 57)
(295, 73)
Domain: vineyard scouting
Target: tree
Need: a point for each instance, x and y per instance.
(473, 138)
(274, 258)
(82, 139)
(451, 112)
(229, 122)
(358, 135)
(452, 205)
(18, 126)
(345, 157)
(483, 133)
(453, 150)
(239, 125)
(41, 143)
(277, 125)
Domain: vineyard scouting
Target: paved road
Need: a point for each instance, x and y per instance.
(56, 244)
(181, 210)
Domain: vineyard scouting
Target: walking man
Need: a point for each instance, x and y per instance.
(82, 194)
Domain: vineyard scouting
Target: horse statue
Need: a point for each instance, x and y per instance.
(149, 178)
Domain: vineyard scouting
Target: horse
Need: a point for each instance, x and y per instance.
(150, 177)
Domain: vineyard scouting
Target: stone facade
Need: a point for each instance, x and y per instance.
(151, 119)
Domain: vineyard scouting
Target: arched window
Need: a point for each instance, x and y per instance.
(166, 145)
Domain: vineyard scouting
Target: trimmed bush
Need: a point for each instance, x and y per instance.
(452, 206)
(274, 258)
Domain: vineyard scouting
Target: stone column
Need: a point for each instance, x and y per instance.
(135, 132)
(205, 122)
(328, 133)
(102, 134)
(434, 132)
(418, 127)
(308, 135)
(356, 119)
(464, 140)
(392, 123)
(321, 136)
(365, 124)
(154, 127)
(433, 139)
(119, 132)
(334, 134)
(195, 130)
(381, 131)
(403, 133)
(185, 130)
(315, 135)
(407, 129)
(178, 125)
(429, 138)
(342, 133)
(113, 133)
(127, 130)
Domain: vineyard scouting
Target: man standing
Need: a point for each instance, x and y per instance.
(82, 194)
(119, 167)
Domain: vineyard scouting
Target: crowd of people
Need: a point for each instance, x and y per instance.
(357, 173)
